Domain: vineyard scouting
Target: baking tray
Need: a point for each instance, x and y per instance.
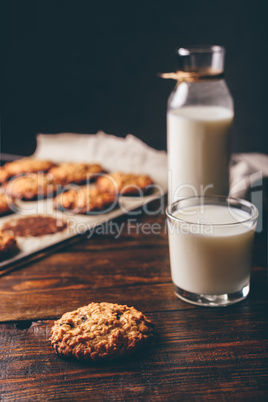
(79, 225)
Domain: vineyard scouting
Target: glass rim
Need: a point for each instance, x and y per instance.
(212, 198)
(187, 50)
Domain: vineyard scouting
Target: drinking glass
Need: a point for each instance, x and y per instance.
(210, 245)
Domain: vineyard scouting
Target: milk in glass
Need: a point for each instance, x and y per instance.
(210, 249)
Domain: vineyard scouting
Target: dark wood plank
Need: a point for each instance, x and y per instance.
(64, 281)
(51, 302)
(198, 353)
(67, 279)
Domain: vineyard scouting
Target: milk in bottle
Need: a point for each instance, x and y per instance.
(199, 119)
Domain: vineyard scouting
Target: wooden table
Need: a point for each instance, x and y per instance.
(197, 353)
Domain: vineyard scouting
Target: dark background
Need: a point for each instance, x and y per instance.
(84, 66)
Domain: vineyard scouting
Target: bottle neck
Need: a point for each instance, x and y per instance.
(196, 59)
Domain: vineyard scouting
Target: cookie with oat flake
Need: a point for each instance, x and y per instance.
(31, 187)
(85, 200)
(125, 183)
(78, 173)
(22, 166)
(101, 331)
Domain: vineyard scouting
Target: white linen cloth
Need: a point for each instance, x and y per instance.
(130, 154)
(247, 172)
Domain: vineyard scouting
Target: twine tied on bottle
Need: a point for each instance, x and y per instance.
(193, 76)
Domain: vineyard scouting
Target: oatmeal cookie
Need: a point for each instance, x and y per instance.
(84, 200)
(31, 187)
(78, 173)
(8, 244)
(5, 204)
(24, 165)
(37, 225)
(125, 183)
(100, 331)
(3, 175)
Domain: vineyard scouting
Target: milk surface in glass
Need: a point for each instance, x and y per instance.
(210, 259)
(198, 141)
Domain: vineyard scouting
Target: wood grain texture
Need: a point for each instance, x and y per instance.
(196, 354)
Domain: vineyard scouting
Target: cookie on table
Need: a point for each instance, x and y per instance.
(31, 187)
(101, 331)
(125, 183)
(8, 244)
(77, 173)
(3, 175)
(34, 226)
(5, 204)
(24, 165)
(84, 200)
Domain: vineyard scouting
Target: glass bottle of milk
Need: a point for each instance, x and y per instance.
(199, 119)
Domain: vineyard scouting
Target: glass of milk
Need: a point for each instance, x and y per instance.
(210, 246)
(199, 119)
